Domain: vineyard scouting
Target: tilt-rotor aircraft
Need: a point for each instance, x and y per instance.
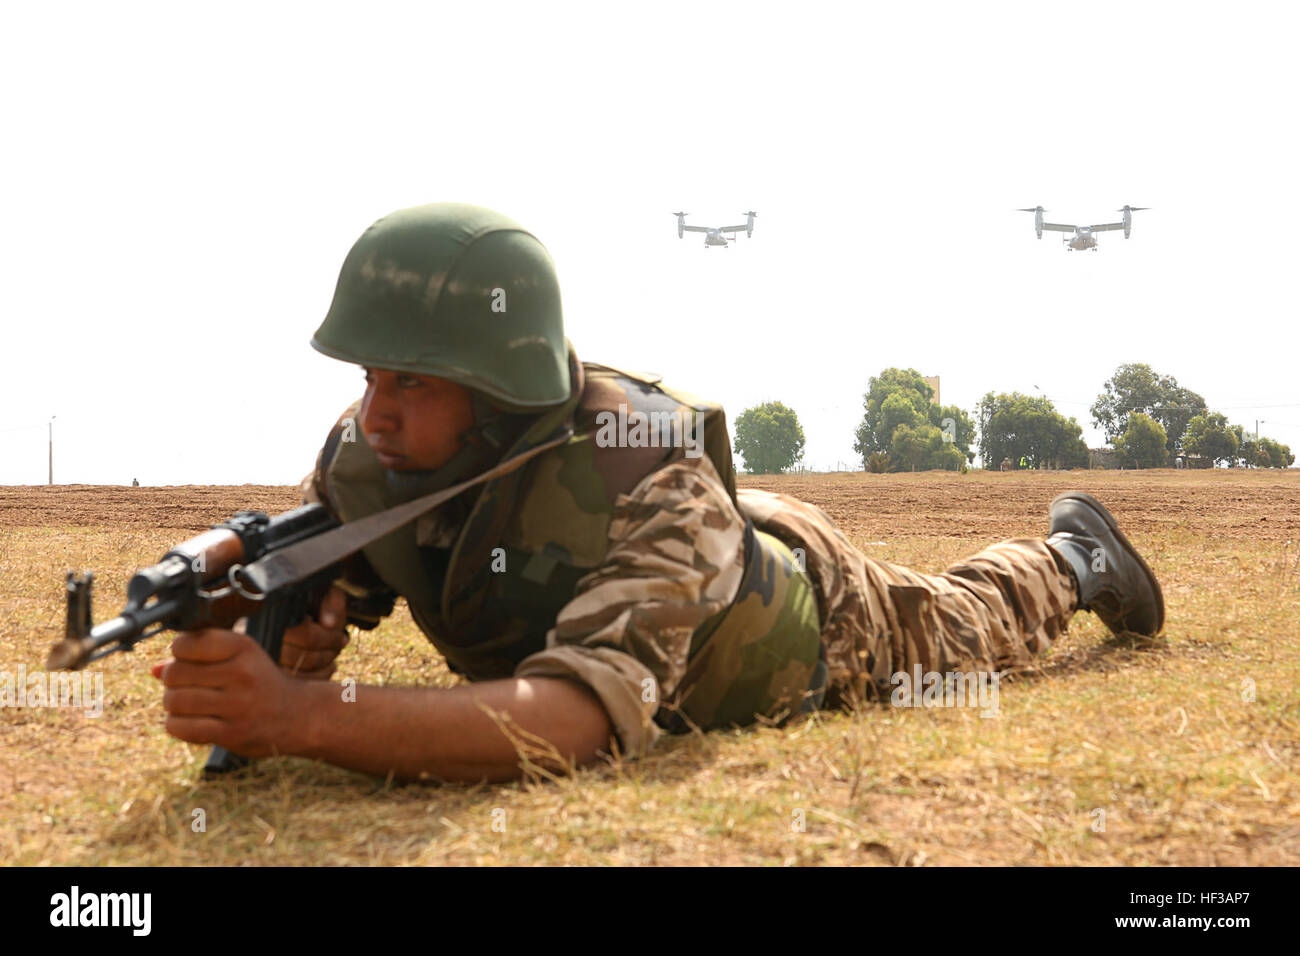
(1084, 237)
(714, 236)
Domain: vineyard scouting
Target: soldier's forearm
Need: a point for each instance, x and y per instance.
(445, 734)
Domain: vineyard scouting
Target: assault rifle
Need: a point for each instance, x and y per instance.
(274, 571)
(198, 584)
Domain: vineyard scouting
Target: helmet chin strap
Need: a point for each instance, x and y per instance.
(482, 445)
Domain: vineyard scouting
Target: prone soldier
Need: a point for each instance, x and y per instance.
(611, 588)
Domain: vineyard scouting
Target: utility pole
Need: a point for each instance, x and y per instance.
(51, 424)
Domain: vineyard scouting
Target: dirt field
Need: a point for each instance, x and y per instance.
(1186, 750)
(1263, 505)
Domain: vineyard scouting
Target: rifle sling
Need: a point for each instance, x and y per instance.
(300, 561)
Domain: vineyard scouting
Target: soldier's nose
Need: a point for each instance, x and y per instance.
(378, 416)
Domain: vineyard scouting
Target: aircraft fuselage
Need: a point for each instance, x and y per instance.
(1083, 239)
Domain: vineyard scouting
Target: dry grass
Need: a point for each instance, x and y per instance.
(1157, 737)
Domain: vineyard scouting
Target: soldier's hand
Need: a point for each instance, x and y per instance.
(309, 648)
(222, 689)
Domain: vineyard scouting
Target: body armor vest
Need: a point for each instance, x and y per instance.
(530, 535)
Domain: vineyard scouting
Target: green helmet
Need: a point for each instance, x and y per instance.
(455, 291)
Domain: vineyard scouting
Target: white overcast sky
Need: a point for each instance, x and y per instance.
(179, 185)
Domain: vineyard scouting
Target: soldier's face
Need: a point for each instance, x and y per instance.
(413, 422)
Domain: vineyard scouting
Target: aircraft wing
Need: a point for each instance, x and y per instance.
(1057, 227)
(694, 229)
(733, 228)
(1107, 226)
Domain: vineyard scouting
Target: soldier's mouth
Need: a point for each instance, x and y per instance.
(389, 459)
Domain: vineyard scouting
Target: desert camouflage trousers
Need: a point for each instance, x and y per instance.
(992, 611)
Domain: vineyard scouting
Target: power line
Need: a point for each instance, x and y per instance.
(1288, 405)
(1187, 408)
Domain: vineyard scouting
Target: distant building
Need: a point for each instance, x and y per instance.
(933, 382)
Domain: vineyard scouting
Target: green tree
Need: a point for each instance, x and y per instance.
(1249, 453)
(898, 397)
(957, 428)
(1136, 387)
(1210, 437)
(878, 462)
(1279, 455)
(769, 438)
(876, 433)
(1019, 426)
(1143, 444)
(895, 411)
(923, 447)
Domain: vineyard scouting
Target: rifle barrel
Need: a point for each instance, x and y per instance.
(123, 631)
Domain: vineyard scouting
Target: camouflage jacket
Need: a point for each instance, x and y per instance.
(621, 559)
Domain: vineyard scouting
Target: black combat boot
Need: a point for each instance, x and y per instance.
(1113, 580)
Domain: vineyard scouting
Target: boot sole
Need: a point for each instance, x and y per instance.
(1098, 507)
